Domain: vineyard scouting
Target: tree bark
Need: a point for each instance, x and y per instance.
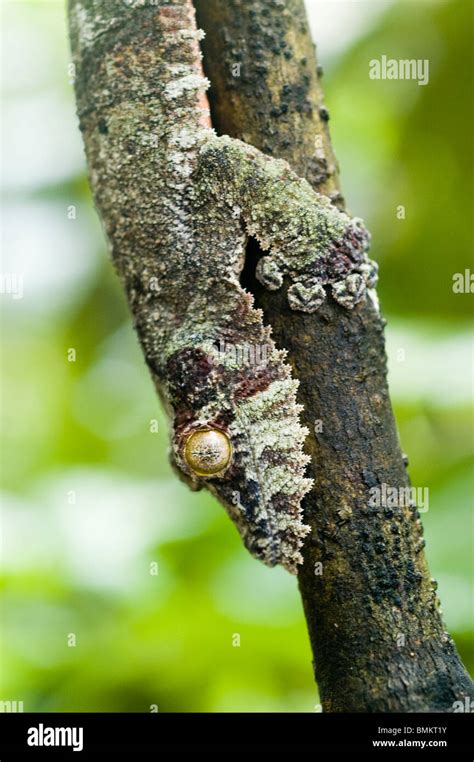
(376, 633)
(377, 636)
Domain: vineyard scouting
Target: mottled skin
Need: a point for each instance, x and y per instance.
(178, 204)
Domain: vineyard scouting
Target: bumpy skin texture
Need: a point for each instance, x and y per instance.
(178, 203)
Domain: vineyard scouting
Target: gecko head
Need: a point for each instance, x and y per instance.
(237, 433)
(201, 405)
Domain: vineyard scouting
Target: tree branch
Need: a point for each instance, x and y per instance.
(378, 640)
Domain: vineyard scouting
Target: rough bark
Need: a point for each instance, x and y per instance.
(377, 636)
(158, 174)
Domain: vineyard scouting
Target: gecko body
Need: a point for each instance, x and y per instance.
(179, 204)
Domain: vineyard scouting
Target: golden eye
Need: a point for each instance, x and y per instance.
(207, 452)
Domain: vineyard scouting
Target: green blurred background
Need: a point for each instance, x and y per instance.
(100, 541)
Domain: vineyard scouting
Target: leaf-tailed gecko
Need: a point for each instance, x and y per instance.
(178, 204)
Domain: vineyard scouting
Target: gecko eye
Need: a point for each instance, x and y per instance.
(207, 452)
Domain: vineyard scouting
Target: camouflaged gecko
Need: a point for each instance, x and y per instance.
(178, 204)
